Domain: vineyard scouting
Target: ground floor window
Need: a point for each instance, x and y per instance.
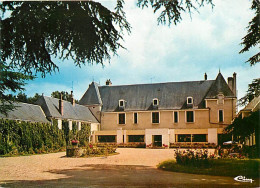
(107, 138)
(135, 138)
(184, 138)
(191, 138)
(199, 138)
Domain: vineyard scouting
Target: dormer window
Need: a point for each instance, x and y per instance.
(121, 103)
(189, 100)
(155, 102)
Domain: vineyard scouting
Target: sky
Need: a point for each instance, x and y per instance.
(207, 42)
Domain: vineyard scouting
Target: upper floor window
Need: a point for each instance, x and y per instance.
(189, 100)
(175, 117)
(121, 118)
(135, 118)
(189, 116)
(121, 103)
(220, 116)
(155, 102)
(155, 117)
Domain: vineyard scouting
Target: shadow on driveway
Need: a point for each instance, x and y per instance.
(101, 175)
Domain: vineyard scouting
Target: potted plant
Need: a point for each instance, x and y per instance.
(74, 142)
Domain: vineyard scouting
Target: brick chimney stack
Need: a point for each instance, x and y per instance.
(232, 83)
(108, 82)
(205, 76)
(234, 89)
(72, 99)
(61, 105)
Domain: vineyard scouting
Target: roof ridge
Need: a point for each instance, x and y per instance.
(27, 103)
(156, 83)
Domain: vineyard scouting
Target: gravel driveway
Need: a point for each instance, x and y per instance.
(132, 167)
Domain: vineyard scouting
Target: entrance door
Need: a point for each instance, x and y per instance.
(157, 140)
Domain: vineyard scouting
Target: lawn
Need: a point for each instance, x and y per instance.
(219, 167)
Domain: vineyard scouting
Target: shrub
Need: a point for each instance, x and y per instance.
(196, 158)
(94, 150)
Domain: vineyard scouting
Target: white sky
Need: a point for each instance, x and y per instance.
(206, 43)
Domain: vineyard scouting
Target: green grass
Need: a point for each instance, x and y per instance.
(218, 167)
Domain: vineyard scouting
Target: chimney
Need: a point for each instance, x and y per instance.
(205, 76)
(72, 100)
(230, 83)
(61, 105)
(108, 82)
(234, 89)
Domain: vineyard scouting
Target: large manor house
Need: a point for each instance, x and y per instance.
(155, 114)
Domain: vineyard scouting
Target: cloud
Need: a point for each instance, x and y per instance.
(205, 43)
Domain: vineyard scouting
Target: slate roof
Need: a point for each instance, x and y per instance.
(78, 112)
(218, 86)
(26, 112)
(171, 95)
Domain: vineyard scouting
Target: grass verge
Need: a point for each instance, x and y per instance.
(218, 167)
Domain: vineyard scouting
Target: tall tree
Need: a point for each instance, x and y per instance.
(252, 38)
(36, 32)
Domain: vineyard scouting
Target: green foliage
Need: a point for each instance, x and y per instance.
(219, 167)
(253, 91)
(84, 31)
(22, 97)
(172, 10)
(244, 127)
(252, 38)
(10, 80)
(83, 134)
(29, 138)
(197, 158)
(93, 150)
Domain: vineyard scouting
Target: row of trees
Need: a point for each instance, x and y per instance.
(22, 97)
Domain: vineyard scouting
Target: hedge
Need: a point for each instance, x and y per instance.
(19, 137)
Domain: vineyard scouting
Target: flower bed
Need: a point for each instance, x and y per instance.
(132, 145)
(192, 145)
(151, 146)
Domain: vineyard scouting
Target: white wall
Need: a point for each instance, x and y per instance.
(213, 135)
(150, 132)
(59, 123)
(119, 137)
(94, 127)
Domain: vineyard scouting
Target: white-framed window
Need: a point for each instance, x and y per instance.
(155, 102)
(190, 116)
(121, 118)
(189, 100)
(135, 117)
(220, 116)
(175, 116)
(121, 103)
(155, 117)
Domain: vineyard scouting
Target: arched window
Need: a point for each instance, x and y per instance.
(155, 102)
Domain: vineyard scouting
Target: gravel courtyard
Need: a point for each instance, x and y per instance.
(131, 167)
